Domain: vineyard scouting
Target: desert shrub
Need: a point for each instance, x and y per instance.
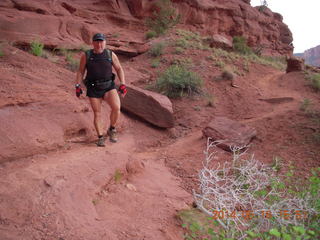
(151, 34)
(157, 49)
(305, 105)
(219, 64)
(314, 80)
(240, 45)
(177, 81)
(155, 63)
(188, 35)
(181, 42)
(36, 48)
(163, 18)
(264, 6)
(1, 51)
(178, 50)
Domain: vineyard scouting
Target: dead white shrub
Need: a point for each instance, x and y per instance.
(243, 188)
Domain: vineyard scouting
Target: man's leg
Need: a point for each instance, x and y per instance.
(113, 100)
(96, 107)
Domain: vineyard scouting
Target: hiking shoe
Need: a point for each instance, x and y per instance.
(100, 142)
(112, 133)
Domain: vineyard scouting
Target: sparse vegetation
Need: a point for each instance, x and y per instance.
(163, 18)
(314, 79)
(220, 64)
(186, 62)
(1, 52)
(36, 48)
(151, 34)
(72, 63)
(263, 6)
(177, 81)
(211, 100)
(157, 49)
(305, 105)
(190, 40)
(240, 45)
(118, 176)
(178, 50)
(155, 63)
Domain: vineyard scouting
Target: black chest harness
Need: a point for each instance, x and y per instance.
(99, 69)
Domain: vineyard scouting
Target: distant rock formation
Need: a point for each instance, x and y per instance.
(311, 56)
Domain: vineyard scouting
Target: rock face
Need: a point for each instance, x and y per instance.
(295, 64)
(150, 106)
(230, 132)
(311, 56)
(70, 24)
(262, 28)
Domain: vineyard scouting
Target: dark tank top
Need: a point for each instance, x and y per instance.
(99, 66)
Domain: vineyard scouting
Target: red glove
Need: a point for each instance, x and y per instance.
(123, 89)
(78, 90)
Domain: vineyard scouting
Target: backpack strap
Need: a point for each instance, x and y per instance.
(88, 55)
(109, 55)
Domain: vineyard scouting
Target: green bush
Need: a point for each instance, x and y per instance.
(315, 81)
(240, 45)
(36, 48)
(157, 49)
(1, 52)
(155, 63)
(163, 18)
(151, 34)
(178, 50)
(182, 43)
(177, 81)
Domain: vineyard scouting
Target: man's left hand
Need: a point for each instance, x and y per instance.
(123, 89)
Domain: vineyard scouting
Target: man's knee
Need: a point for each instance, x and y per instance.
(115, 107)
(97, 113)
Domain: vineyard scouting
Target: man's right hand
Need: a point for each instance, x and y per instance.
(78, 90)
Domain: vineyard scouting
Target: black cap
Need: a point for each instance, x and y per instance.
(99, 37)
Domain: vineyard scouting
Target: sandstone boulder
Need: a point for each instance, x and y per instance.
(295, 64)
(150, 106)
(219, 41)
(231, 132)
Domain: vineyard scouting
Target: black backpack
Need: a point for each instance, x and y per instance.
(109, 58)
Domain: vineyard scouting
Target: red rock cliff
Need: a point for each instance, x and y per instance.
(70, 23)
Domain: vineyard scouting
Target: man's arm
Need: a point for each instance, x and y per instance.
(117, 66)
(81, 70)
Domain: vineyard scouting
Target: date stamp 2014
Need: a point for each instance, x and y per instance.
(267, 214)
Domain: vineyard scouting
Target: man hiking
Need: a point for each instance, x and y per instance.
(99, 81)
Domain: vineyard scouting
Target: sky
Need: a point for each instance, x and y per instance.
(303, 19)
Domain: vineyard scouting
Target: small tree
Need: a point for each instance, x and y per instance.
(263, 5)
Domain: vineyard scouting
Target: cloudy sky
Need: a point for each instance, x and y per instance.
(303, 19)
